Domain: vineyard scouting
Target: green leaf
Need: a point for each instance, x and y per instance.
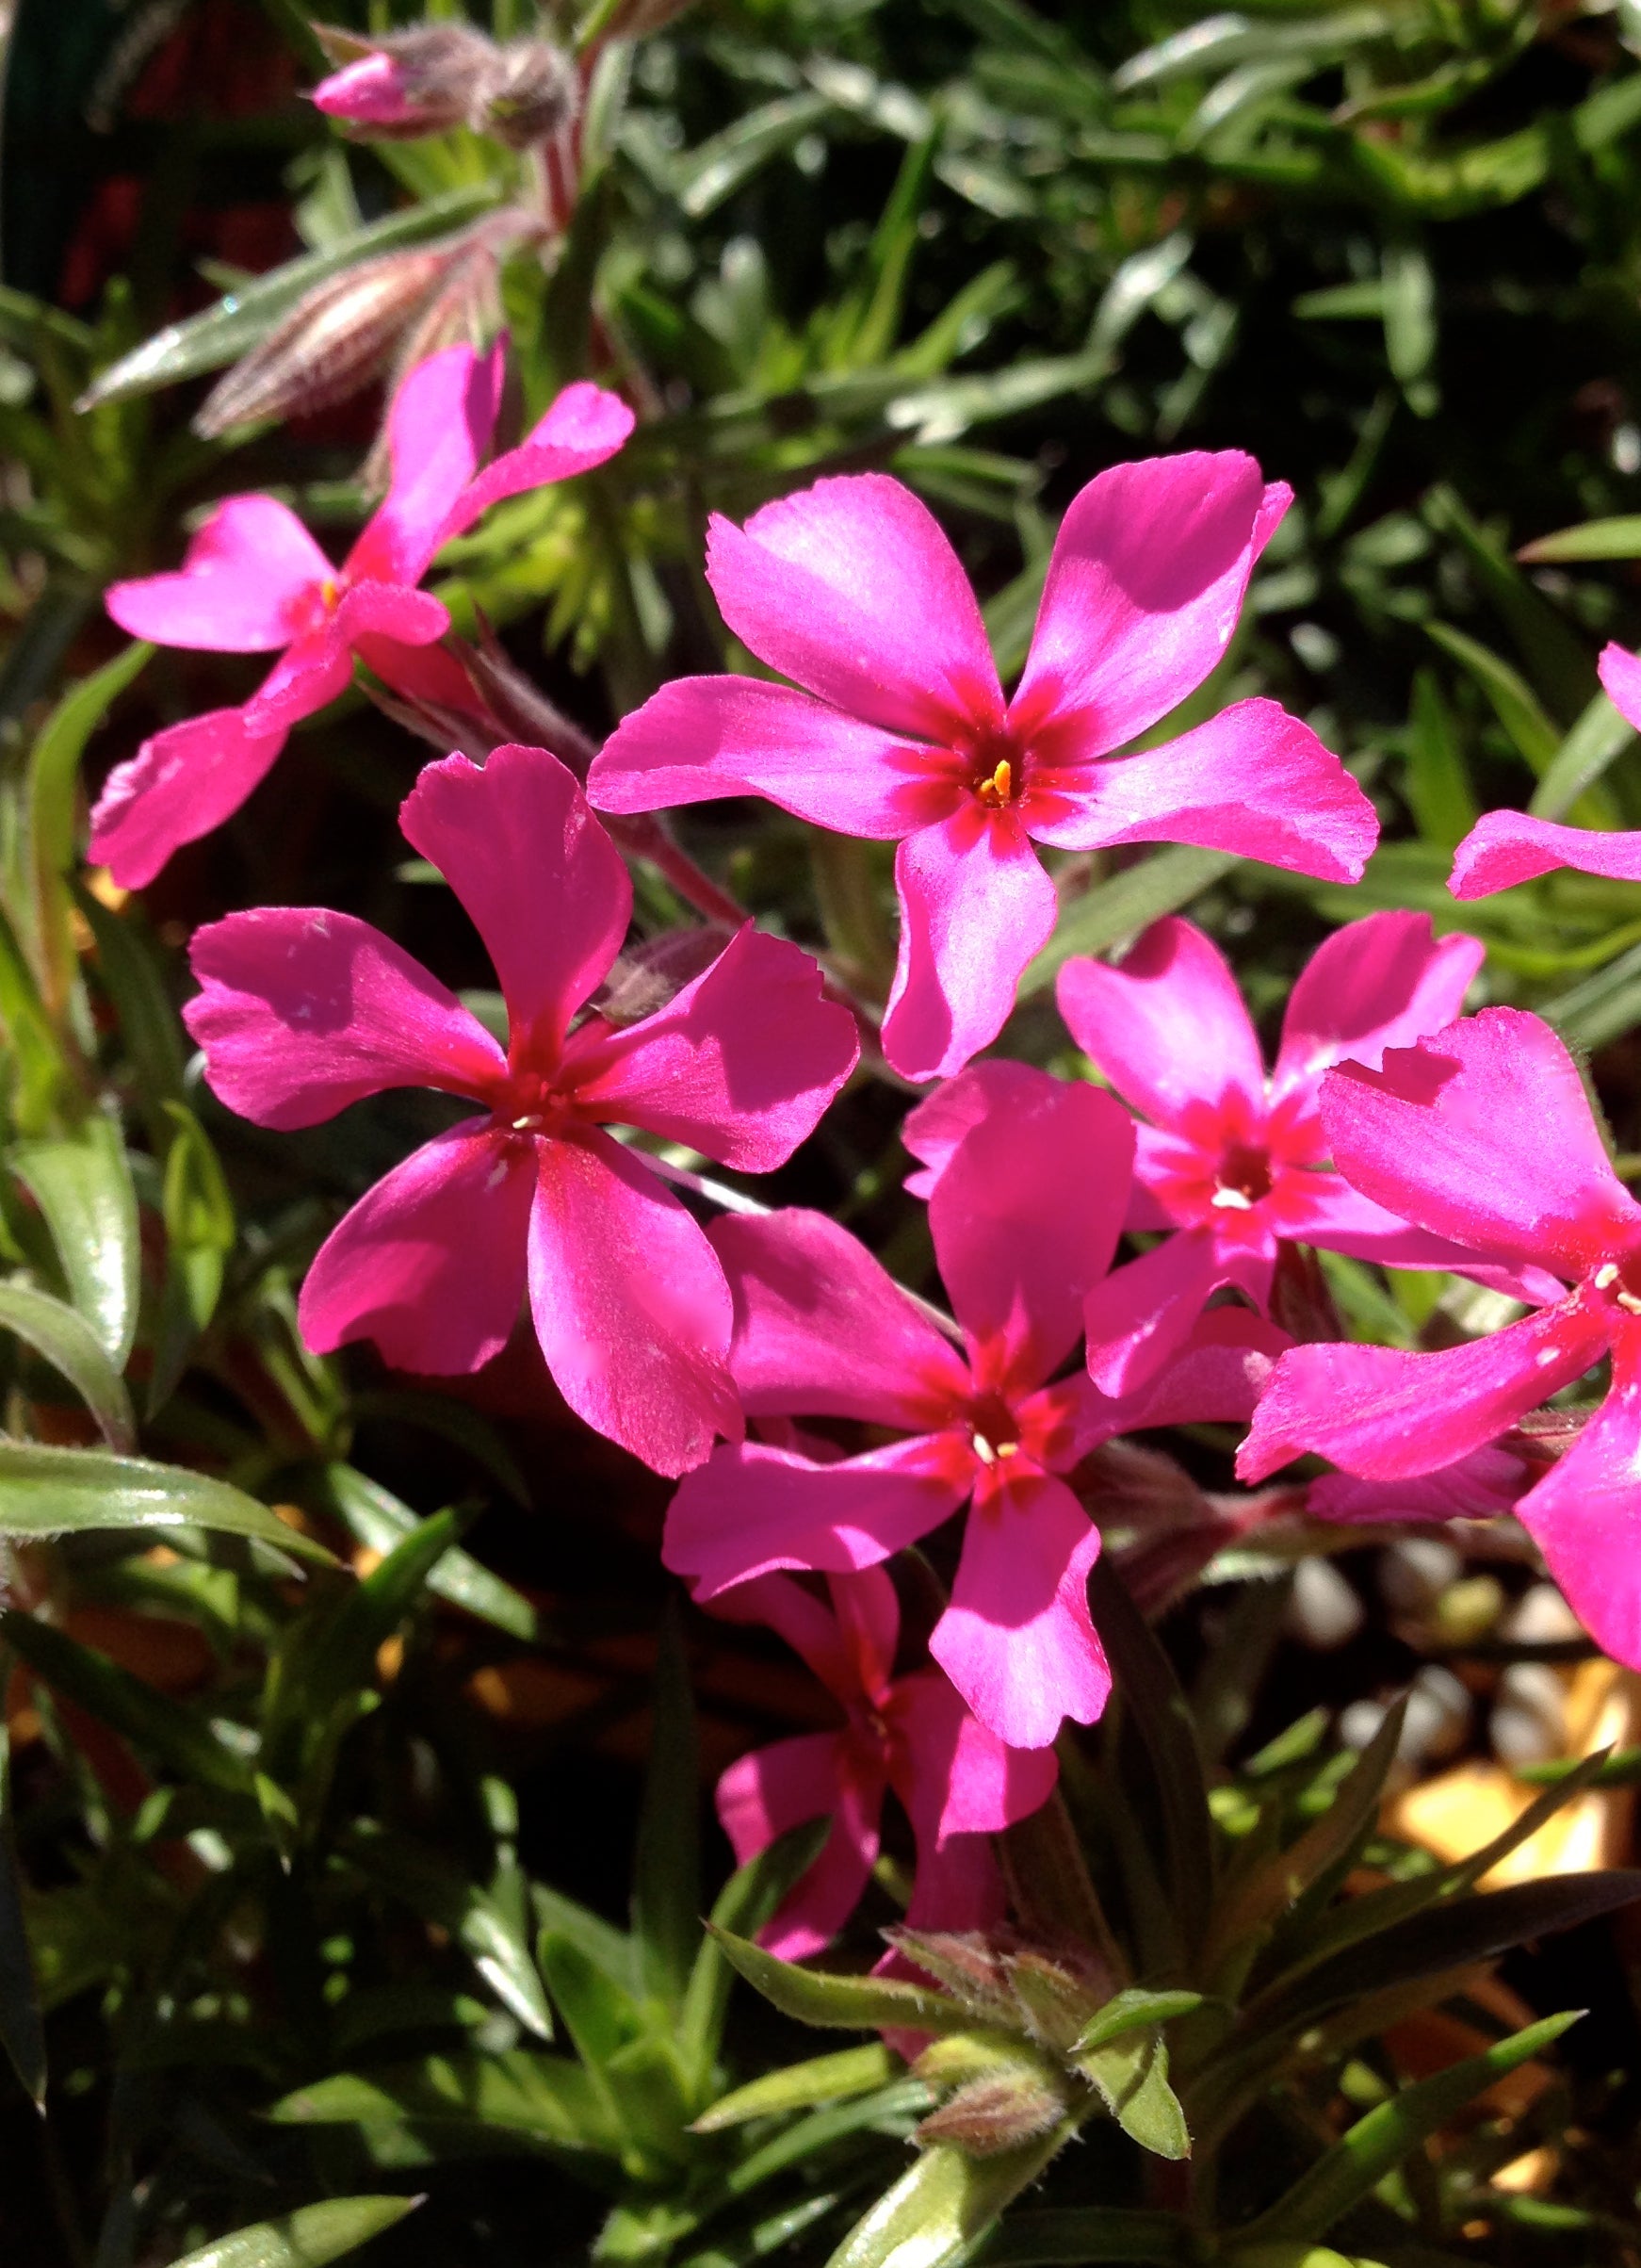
(1513, 702)
(1343, 2175)
(21, 2025)
(1617, 538)
(306, 2238)
(515, 2097)
(430, 1885)
(942, 2205)
(1072, 2234)
(148, 1022)
(746, 1902)
(37, 1053)
(823, 2079)
(221, 334)
(666, 1896)
(69, 1343)
(852, 2003)
(1131, 2009)
(54, 768)
(1409, 315)
(1130, 901)
(1436, 784)
(82, 1183)
(1130, 2075)
(1600, 735)
(61, 1492)
(199, 1235)
(178, 1736)
(376, 1518)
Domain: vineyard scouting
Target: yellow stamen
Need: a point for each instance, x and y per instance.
(329, 593)
(1000, 789)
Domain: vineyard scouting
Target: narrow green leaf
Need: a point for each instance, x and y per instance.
(1065, 2236)
(823, 2079)
(305, 2239)
(82, 1183)
(1130, 2010)
(430, 1885)
(1361, 2158)
(61, 1492)
(69, 1343)
(1435, 783)
(41, 1078)
(21, 2025)
(1617, 538)
(199, 1235)
(1130, 901)
(1130, 2075)
(1409, 315)
(942, 2205)
(149, 1025)
(177, 1736)
(376, 1518)
(746, 1902)
(1600, 735)
(850, 2003)
(515, 2096)
(54, 768)
(1513, 702)
(666, 1896)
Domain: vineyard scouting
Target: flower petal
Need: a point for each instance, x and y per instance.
(430, 1263)
(630, 1305)
(1167, 1026)
(1144, 590)
(1376, 984)
(546, 888)
(976, 909)
(1016, 1641)
(821, 1330)
(583, 427)
(1026, 1215)
(1383, 1414)
(809, 1626)
(241, 586)
(934, 1127)
(851, 588)
(1140, 1316)
(311, 672)
(302, 1011)
(701, 739)
(1478, 1486)
(1216, 1378)
(740, 1063)
(1585, 1514)
(1337, 1218)
(954, 1776)
(438, 429)
(1621, 674)
(1483, 1134)
(1507, 847)
(1253, 781)
(181, 783)
(751, 1508)
(763, 1795)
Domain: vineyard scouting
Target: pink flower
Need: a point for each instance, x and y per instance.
(902, 731)
(1483, 1134)
(1024, 1219)
(956, 1781)
(380, 92)
(254, 582)
(303, 1012)
(1507, 847)
(1233, 1162)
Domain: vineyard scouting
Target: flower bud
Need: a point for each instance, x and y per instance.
(996, 2113)
(438, 75)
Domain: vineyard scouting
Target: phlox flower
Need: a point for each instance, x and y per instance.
(956, 1781)
(301, 1012)
(253, 581)
(1507, 847)
(1024, 1218)
(1482, 1132)
(901, 731)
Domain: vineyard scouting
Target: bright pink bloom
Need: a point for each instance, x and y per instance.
(303, 1012)
(1024, 1219)
(956, 1781)
(902, 731)
(1483, 1134)
(1507, 847)
(256, 581)
(1233, 1162)
(380, 91)
(1482, 1486)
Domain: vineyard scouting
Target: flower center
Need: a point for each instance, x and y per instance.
(1243, 1180)
(998, 788)
(1619, 1281)
(531, 1104)
(993, 1431)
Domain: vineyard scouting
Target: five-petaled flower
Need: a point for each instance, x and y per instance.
(902, 731)
(1482, 1132)
(956, 1781)
(1507, 847)
(303, 1012)
(1024, 1218)
(254, 582)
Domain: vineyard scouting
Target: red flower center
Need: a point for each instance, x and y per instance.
(1243, 1178)
(993, 1428)
(1619, 1282)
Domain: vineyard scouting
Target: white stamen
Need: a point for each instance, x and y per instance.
(1607, 1273)
(1232, 1201)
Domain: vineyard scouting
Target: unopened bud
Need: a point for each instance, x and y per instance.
(438, 75)
(996, 2113)
(969, 1962)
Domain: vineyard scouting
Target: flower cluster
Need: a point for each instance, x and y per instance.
(821, 1418)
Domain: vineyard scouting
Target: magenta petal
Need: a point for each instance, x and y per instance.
(701, 739)
(956, 1777)
(1483, 1134)
(1167, 1027)
(1144, 590)
(1376, 984)
(739, 1065)
(1338, 1218)
(1026, 1215)
(1381, 1413)
(1621, 674)
(303, 1012)
(178, 786)
(630, 1305)
(763, 1795)
(1585, 1514)
(822, 1330)
(1016, 1641)
(976, 909)
(1215, 1377)
(545, 886)
(934, 1127)
(582, 428)
(309, 674)
(1478, 1486)
(439, 427)
(1142, 1312)
(1507, 847)
(851, 588)
(1253, 781)
(390, 609)
(430, 1263)
(807, 1625)
(751, 1509)
(242, 586)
